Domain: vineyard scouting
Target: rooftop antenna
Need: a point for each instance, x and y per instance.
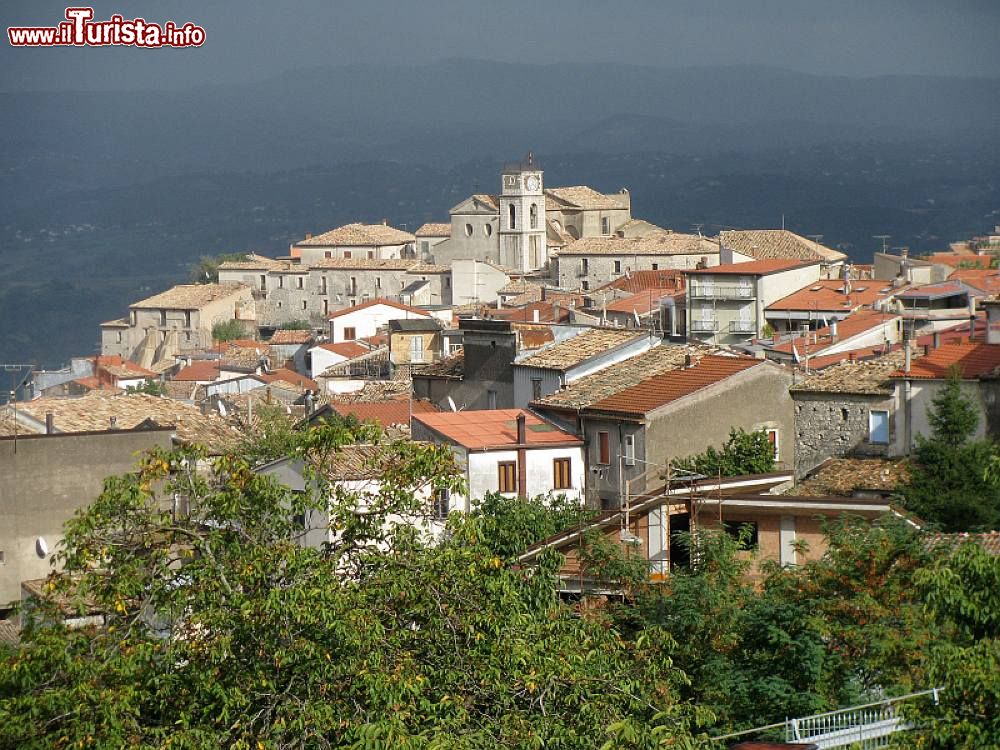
(885, 240)
(815, 237)
(782, 221)
(698, 228)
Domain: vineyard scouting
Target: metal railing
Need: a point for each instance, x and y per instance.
(743, 326)
(720, 291)
(864, 727)
(704, 326)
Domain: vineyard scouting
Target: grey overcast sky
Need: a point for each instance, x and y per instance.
(255, 39)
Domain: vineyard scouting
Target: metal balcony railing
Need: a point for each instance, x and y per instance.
(742, 326)
(720, 291)
(704, 326)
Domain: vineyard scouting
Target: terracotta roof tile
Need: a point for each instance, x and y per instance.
(822, 338)
(291, 337)
(434, 229)
(346, 349)
(642, 303)
(776, 243)
(452, 366)
(754, 267)
(581, 196)
(289, 376)
(202, 369)
(960, 260)
(843, 476)
(971, 360)
(365, 264)
(494, 428)
(622, 375)
(640, 281)
(830, 295)
(387, 413)
(864, 377)
(662, 389)
(190, 296)
(657, 243)
(986, 281)
(358, 235)
(578, 349)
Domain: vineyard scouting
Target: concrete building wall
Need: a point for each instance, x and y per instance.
(44, 480)
(312, 254)
(922, 393)
(367, 321)
(473, 236)
(835, 425)
(483, 474)
(475, 281)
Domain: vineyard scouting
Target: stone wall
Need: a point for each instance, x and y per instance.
(835, 425)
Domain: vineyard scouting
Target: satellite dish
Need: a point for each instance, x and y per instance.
(42, 547)
(451, 404)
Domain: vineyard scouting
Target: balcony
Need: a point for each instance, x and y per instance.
(720, 291)
(704, 326)
(743, 326)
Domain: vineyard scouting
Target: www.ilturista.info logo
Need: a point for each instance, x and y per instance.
(80, 30)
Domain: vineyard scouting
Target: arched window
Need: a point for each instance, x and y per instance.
(533, 214)
(513, 217)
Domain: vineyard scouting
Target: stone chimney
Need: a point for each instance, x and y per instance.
(50, 423)
(522, 429)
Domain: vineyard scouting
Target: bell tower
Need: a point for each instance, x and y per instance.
(522, 216)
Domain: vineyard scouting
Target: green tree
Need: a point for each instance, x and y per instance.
(743, 453)
(962, 594)
(296, 325)
(228, 330)
(149, 387)
(206, 270)
(221, 630)
(950, 485)
(509, 525)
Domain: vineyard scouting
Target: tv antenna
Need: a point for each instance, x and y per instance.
(698, 227)
(815, 237)
(885, 240)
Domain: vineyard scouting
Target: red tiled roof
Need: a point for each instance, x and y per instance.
(386, 413)
(755, 267)
(379, 301)
(642, 302)
(985, 280)
(347, 349)
(640, 281)
(659, 390)
(289, 376)
(494, 428)
(291, 337)
(942, 289)
(92, 383)
(970, 360)
(828, 295)
(955, 260)
(202, 369)
(852, 325)
(547, 311)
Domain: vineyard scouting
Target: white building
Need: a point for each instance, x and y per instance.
(367, 319)
(323, 356)
(509, 451)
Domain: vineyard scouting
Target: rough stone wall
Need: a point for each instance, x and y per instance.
(834, 425)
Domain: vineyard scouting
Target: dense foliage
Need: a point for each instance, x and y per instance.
(227, 330)
(222, 630)
(950, 486)
(206, 270)
(743, 453)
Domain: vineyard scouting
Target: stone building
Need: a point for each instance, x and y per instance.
(846, 410)
(356, 241)
(592, 262)
(177, 321)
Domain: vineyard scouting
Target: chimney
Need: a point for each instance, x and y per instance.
(927, 349)
(114, 423)
(309, 235)
(50, 423)
(833, 333)
(534, 315)
(937, 340)
(385, 222)
(521, 429)
(688, 362)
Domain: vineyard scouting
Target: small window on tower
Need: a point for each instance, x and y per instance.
(533, 216)
(513, 217)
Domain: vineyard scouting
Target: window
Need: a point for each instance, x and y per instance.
(442, 504)
(618, 266)
(605, 225)
(163, 317)
(491, 398)
(425, 247)
(878, 427)
(743, 531)
(603, 448)
(305, 305)
(513, 217)
(322, 285)
(656, 266)
(326, 307)
(447, 282)
(3, 557)
(488, 230)
(533, 216)
(263, 282)
(132, 318)
(416, 349)
(378, 282)
(630, 450)
(354, 286)
(468, 230)
(536, 389)
(119, 337)
(299, 282)
(507, 476)
(350, 334)
(347, 254)
(584, 266)
(585, 285)
(772, 438)
(371, 255)
(561, 478)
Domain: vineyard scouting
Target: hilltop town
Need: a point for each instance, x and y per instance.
(625, 344)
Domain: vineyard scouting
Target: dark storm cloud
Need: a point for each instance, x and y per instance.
(256, 39)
